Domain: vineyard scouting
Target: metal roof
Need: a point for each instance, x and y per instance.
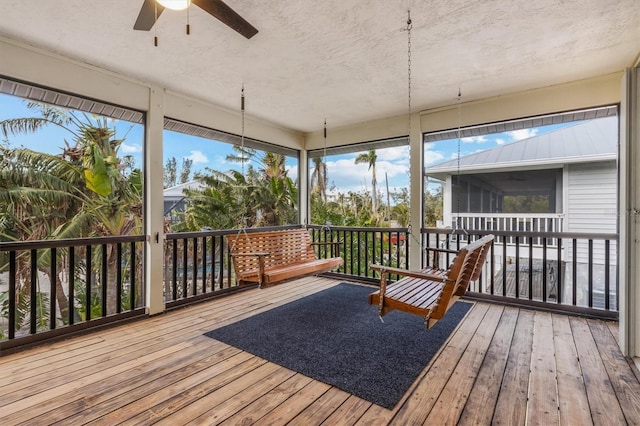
(178, 190)
(587, 141)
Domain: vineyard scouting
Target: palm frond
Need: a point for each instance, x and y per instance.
(17, 126)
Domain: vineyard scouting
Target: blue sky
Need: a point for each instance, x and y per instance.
(343, 173)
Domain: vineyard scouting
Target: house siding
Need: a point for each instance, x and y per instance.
(591, 204)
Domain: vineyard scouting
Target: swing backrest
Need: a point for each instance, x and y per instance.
(477, 255)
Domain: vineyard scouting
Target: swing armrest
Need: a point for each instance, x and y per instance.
(441, 250)
(436, 261)
(406, 273)
(260, 255)
(335, 245)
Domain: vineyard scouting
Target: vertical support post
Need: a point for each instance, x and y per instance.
(416, 179)
(154, 219)
(629, 275)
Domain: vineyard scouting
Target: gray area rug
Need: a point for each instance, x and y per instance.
(335, 337)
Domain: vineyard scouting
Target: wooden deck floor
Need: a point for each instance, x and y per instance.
(524, 274)
(502, 366)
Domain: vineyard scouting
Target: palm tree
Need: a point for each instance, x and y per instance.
(319, 178)
(279, 194)
(370, 159)
(226, 202)
(233, 199)
(83, 192)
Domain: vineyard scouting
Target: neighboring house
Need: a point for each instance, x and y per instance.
(568, 177)
(572, 171)
(174, 197)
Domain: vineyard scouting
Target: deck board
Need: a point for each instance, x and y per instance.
(481, 403)
(603, 402)
(421, 401)
(450, 403)
(527, 279)
(511, 407)
(623, 381)
(543, 394)
(572, 396)
(501, 365)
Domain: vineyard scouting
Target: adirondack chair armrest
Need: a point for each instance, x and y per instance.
(415, 274)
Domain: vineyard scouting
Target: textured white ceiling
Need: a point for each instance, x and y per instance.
(343, 60)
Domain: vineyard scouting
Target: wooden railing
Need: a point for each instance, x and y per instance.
(52, 288)
(360, 247)
(531, 224)
(55, 287)
(577, 273)
(197, 265)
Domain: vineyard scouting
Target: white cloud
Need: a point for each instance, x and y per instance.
(198, 157)
(520, 134)
(500, 141)
(130, 149)
(345, 170)
(391, 169)
(348, 175)
(394, 154)
(357, 177)
(292, 172)
(431, 157)
(475, 139)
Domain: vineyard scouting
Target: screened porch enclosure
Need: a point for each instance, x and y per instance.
(530, 191)
(107, 326)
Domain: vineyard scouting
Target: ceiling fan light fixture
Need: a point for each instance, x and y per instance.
(174, 4)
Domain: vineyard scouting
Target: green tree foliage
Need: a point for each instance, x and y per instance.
(319, 179)
(323, 213)
(370, 158)
(185, 172)
(526, 204)
(170, 177)
(263, 196)
(433, 205)
(400, 212)
(85, 191)
(173, 176)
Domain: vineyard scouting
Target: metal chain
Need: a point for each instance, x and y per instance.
(242, 131)
(409, 73)
(155, 27)
(242, 151)
(459, 186)
(323, 165)
(188, 27)
(408, 29)
(459, 143)
(244, 219)
(324, 153)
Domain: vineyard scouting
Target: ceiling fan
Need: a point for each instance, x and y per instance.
(217, 8)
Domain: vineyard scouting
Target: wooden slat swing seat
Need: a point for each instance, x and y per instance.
(431, 292)
(268, 257)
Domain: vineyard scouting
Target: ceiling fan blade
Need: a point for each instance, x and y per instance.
(227, 16)
(147, 15)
